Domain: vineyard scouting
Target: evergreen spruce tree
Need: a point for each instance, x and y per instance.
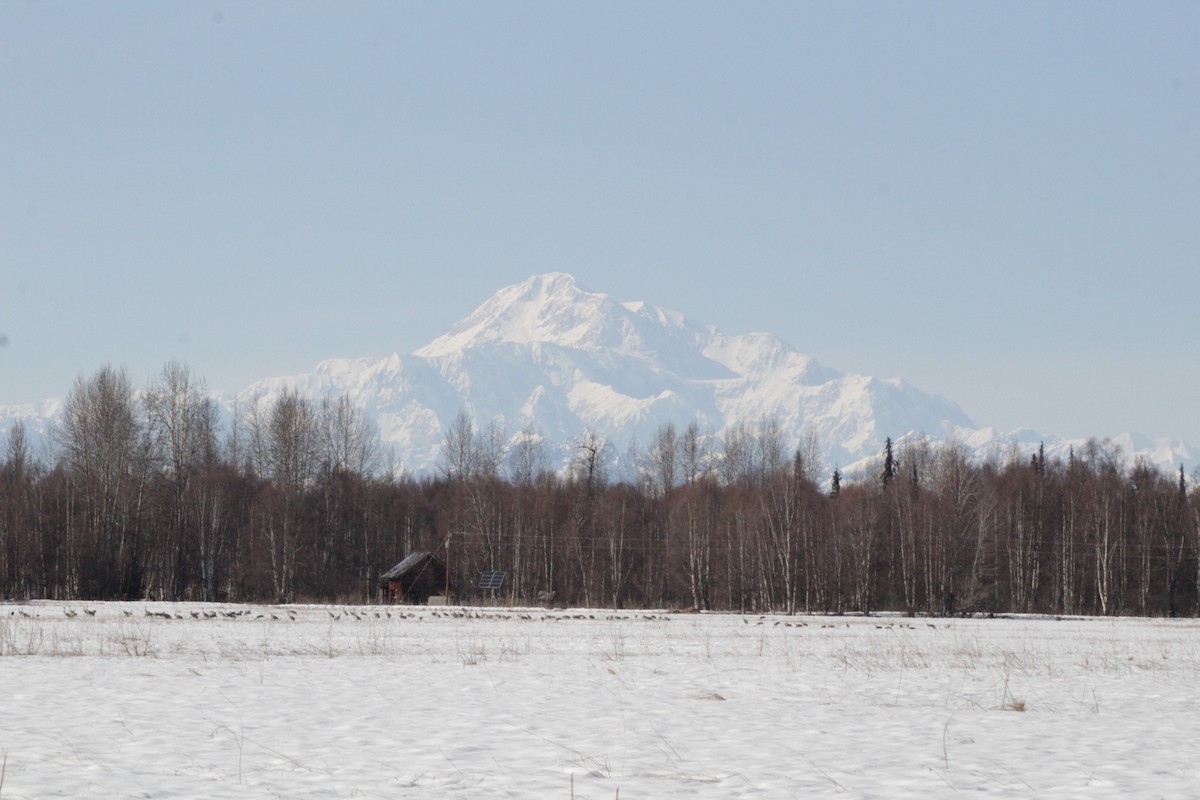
(889, 462)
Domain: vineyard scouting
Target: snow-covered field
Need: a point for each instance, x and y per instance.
(205, 701)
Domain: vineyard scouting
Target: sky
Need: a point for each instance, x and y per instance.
(998, 202)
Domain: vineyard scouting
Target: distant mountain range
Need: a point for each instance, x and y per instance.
(549, 357)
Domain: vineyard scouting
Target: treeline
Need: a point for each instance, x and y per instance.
(147, 495)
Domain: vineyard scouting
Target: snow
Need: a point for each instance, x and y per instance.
(542, 308)
(604, 367)
(316, 701)
(549, 337)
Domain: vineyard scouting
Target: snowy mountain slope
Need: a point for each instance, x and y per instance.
(38, 419)
(549, 357)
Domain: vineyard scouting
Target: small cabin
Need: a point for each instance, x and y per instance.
(416, 578)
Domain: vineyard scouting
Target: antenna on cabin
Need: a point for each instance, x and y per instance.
(446, 596)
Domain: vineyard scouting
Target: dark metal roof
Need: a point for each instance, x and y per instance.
(412, 561)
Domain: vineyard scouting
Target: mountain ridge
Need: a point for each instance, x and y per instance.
(551, 358)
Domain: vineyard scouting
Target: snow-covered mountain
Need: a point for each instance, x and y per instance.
(551, 358)
(39, 420)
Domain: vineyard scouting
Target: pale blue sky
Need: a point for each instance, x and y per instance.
(999, 202)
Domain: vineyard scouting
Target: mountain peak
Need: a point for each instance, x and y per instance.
(549, 308)
(550, 356)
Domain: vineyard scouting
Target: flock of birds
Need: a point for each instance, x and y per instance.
(364, 614)
(347, 612)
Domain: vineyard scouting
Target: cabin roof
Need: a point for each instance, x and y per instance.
(412, 561)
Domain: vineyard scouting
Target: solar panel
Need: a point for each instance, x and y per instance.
(491, 579)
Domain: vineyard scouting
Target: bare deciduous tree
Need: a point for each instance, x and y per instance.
(104, 450)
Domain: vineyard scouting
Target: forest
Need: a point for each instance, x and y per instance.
(146, 494)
